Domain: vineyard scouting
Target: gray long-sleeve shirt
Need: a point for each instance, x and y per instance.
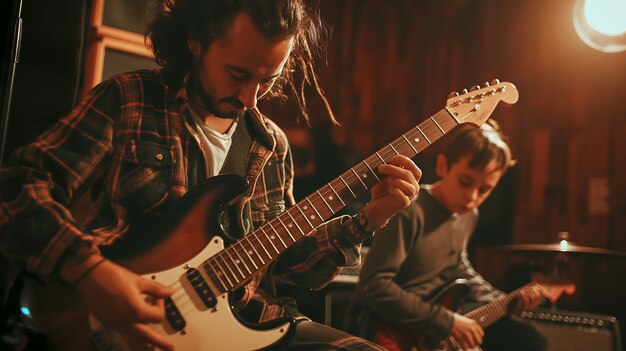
(422, 249)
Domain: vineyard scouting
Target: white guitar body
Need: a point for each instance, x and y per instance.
(215, 328)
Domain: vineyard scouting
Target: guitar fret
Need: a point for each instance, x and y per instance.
(223, 271)
(319, 217)
(277, 234)
(269, 257)
(438, 126)
(230, 269)
(453, 115)
(241, 259)
(347, 186)
(270, 240)
(394, 149)
(381, 159)
(305, 218)
(338, 197)
(323, 199)
(217, 275)
(371, 170)
(286, 229)
(249, 256)
(445, 121)
(295, 222)
(359, 178)
(424, 135)
(490, 313)
(255, 250)
(411, 145)
(234, 261)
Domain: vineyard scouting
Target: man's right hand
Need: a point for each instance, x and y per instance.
(126, 302)
(466, 332)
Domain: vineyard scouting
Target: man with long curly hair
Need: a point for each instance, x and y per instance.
(140, 140)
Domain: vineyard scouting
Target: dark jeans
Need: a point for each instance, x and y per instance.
(311, 336)
(512, 334)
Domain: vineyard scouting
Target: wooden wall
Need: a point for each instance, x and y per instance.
(391, 64)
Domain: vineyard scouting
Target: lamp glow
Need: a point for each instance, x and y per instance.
(606, 16)
(601, 24)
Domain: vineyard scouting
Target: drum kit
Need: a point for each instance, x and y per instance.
(563, 246)
(596, 272)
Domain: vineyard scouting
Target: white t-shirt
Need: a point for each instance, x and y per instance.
(214, 144)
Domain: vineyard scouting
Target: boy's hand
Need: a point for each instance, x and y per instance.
(528, 299)
(466, 333)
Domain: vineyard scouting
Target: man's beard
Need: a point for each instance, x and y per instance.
(211, 104)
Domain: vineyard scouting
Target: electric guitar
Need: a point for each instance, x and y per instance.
(199, 313)
(396, 338)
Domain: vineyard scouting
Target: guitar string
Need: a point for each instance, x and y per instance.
(493, 312)
(186, 297)
(384, 151)
(183, 301)
(314, 202)
(294, 219)
(404, 147)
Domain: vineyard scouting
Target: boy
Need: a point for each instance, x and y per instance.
(424, 248)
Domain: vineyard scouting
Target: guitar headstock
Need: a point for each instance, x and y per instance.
(553, 291)
(476, 105)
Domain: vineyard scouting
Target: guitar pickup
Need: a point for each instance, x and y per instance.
(173, 316)
(201, 288)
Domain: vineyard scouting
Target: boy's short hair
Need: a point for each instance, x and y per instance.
(482, 144)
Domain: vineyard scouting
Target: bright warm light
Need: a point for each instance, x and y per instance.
(601, 24)
(606, 16)
(564, 245)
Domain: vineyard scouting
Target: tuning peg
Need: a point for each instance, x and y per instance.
(453, 94)
(486, 84)
(464, 91)
(495, 81)
(475, 87)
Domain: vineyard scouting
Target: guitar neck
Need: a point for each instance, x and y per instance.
(234, 265)
(493, 311)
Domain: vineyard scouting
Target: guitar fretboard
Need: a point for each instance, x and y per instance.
(236, 264)
(493, 311)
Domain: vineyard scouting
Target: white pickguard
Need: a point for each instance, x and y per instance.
(206, 329)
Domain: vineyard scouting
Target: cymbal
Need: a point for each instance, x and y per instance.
(563, 246)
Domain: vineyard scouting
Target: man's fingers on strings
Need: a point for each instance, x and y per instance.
(400, 196)
(154, 288)
(150, 310)
(408, 189)
(406, 163)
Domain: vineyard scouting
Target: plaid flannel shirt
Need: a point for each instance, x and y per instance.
(130, 144)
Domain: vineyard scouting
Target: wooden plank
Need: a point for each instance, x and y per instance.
(589, 162)
(617, 239)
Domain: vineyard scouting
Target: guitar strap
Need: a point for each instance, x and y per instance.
(237, 157)
(236, 163)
